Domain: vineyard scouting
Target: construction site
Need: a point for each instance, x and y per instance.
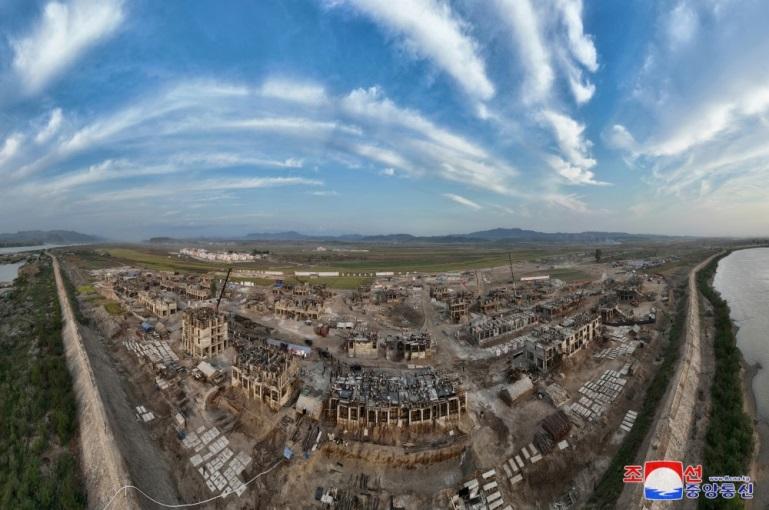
(475, 389)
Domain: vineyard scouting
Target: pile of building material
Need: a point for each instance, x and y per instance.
(156, 351)
(514, 346)
(480, 494)
(557, 425)
(144, 415)
(597, 395)
(513, 467)
(219, 466)
(624, 349)
(556, 394)
(628, 421)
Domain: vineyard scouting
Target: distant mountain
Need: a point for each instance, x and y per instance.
(497, 235)
(517, 234)
(38, 237)
(284, 236)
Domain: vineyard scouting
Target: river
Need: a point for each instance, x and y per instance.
(8, 272)
(742, 279)
(5, 250)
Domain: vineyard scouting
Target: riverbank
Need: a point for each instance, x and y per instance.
(730, 438)
(39, 440)
(759, 466)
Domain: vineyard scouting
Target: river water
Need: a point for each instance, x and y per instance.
(8, 272)
(743, 281)
(17, 249)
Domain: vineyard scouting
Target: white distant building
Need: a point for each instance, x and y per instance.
(220, 256)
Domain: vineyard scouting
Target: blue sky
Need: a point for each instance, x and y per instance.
(131, 118)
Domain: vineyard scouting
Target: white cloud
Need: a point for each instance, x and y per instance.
(294, 125)
(10, 147)
(581, 45)
(382, 155)
(204, 186)
(571, 202)
(710, 120)
(569, 136)
(371, 104)
(50, 129)
(253, 183)
(618, 137)
(64, 32)
(388, 172)
(520, 15)
(298, 92)
(430, 29)
(573, 173)
(582, 92)
(324, 193)
(463, 201)
(221, 159)
(682, 24)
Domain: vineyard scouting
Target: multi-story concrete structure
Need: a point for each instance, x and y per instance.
(363, 344)
(204, 332)
(156, 304)
(298, 307)
(486, 330)
(417, 400)
(267, 374)
(410, 346)
(547, 345)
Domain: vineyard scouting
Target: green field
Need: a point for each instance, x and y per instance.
(113, 308)
(422, 259)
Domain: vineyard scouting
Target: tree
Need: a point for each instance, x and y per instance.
(598, 254)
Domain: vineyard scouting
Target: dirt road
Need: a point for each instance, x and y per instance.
(670, 435)
(104, 470)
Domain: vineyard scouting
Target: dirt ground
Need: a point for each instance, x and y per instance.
(494, 430)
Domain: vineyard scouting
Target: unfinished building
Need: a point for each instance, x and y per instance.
(485, 330)
(409, 346)
(385, 295)
(363, 344)
(158, 305)
(298, 308)
(266, 374)
(458, 308)
(418, 400)
(197, 292)
(547, 345)
(204, 332)
(558, 307)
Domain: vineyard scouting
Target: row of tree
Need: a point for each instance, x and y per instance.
(38, 415)
(729, 437)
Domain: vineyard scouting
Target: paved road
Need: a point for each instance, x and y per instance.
(103, 467)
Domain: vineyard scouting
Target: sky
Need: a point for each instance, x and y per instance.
(137, 118)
